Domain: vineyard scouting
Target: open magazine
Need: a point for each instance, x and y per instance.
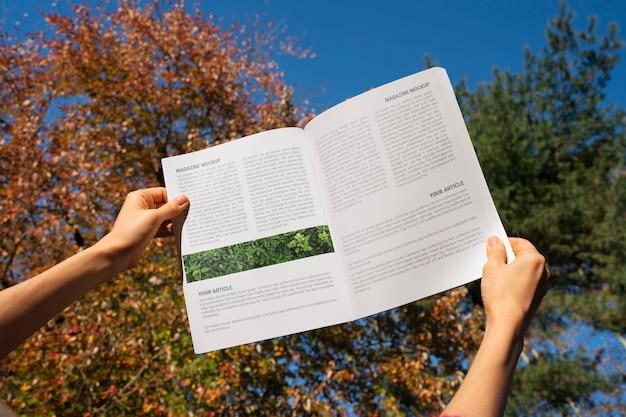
(377, 202)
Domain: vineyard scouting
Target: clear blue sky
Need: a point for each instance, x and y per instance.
(362, 44)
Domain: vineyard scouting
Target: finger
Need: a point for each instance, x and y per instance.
(148, 198)
(496, 252)
(157, 194)
(173, 208)
(521, 246)
(165, 230)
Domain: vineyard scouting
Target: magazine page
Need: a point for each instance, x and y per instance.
(257, 257)
(408, 205)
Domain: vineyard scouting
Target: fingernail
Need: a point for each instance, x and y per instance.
(493, 240)
(182, 200)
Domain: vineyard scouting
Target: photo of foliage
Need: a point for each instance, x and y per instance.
(258, 253)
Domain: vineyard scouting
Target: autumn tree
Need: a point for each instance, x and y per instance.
(88, 109)
(553, 152)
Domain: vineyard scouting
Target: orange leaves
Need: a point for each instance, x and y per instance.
(427, 365)
(412, 374)
(85, 116)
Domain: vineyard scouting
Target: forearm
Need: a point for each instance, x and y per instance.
(25, 307)
(486, 387)
(511, 293)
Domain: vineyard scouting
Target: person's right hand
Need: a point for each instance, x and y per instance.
(511, 295)
(512, 292)
(144, 215)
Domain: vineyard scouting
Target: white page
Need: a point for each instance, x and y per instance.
(229, 187)
(409, 211)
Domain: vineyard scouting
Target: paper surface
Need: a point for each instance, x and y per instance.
(390, 176)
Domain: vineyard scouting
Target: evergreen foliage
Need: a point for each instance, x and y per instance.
(553, 152)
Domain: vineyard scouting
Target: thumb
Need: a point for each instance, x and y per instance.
(169, 211)
(496, 252)
(173, 208)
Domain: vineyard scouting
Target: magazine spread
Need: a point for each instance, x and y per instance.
(377, 202)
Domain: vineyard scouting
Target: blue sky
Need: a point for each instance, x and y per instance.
(365, 44)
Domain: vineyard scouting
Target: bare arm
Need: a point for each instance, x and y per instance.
(511, 295)
(27, 306)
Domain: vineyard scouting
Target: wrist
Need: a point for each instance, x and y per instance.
(507, 318)
(508, 333)
(113, 254)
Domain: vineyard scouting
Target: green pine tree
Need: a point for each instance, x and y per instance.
(553, 153)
